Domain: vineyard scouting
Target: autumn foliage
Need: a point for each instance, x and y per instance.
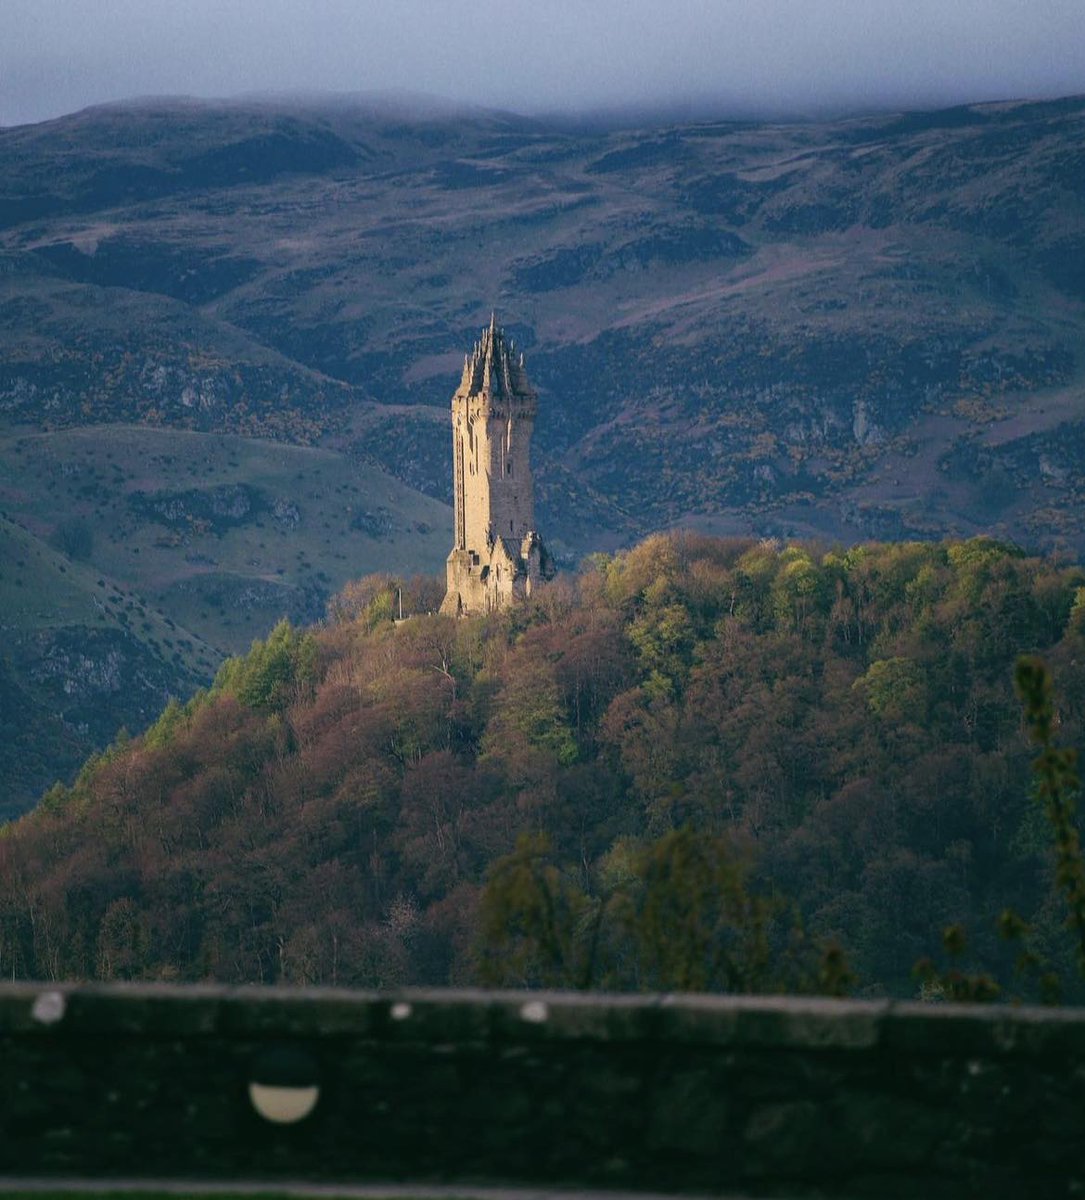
(698, 764)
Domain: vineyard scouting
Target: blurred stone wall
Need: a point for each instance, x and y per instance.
(719, 1095)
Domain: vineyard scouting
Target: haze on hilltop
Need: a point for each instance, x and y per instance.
(692, 56)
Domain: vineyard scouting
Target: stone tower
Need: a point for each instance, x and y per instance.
(497, 557)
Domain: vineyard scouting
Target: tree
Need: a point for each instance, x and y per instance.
(274, 671)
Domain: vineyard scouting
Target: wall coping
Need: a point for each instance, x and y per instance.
(476, 1016)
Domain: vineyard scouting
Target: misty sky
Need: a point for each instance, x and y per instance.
(532, 55)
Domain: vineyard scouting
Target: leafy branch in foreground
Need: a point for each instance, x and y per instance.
(673, 914)
(1057, 785)
(953, 983)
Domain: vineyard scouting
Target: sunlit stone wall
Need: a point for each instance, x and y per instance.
(710, 1095)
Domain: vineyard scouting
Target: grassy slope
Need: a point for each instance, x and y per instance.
(292, 525)
(42, 589)
(81, 655)
(184, 547)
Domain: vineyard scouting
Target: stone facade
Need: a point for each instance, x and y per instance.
(497, 556)
(703, 1095)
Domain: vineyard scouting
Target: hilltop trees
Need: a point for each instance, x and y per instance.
(699, 764)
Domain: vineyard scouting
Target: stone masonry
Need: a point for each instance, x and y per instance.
(703, 1095)
(497, 556)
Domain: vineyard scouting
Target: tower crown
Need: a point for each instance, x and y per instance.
(493, 367)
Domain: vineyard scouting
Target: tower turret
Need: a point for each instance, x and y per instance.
(497, 555)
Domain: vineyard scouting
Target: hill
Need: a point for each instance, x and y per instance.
(864, 327)
(840, 728)
(853, 329)
(82, 656)
(133, 559)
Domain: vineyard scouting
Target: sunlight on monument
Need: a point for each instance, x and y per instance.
(497, 557)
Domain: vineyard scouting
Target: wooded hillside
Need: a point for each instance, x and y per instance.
(837, 728)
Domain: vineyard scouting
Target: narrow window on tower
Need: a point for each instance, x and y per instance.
(508, 467)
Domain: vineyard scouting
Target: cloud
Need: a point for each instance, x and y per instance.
(777, 54)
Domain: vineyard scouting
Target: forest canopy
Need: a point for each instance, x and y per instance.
(700, 763)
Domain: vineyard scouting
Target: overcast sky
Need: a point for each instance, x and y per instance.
(532, 55)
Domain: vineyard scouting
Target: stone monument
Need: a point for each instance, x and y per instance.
(497, 556)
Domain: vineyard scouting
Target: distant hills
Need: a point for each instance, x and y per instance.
(864, 328)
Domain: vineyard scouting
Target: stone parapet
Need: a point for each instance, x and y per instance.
(713, 1095)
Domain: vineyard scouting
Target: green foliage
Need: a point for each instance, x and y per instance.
(529, 716)
(695, 925)
(274, 672)
(953, 983)
(376, 598)
(663, 638)
(172, 720)
(1030, 966)
(674, 914)
(895, 690)
(97, 762)
(54, 799)
(536, 922)
(1057, 786)
(797, 590)
(979, 554)
(1077, 611)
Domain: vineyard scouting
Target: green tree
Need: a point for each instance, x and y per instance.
(537, 924)
(895, 690)
(274, 671)
(1057, 787)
